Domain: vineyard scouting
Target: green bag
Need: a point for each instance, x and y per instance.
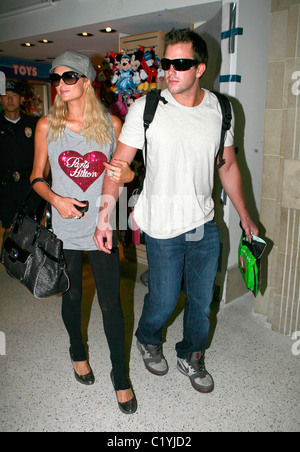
(249, 261)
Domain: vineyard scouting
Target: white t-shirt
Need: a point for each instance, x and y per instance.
(183, 143)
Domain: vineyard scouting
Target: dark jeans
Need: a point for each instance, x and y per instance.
(196, 260)
(106, 271)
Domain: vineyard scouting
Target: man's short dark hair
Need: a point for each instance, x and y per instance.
(187, 35)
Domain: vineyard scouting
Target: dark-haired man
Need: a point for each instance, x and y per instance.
(175, 209)
(16, 152)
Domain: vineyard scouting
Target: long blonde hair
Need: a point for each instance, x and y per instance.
(96, 122)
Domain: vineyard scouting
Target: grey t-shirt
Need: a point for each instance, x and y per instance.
(78, 172)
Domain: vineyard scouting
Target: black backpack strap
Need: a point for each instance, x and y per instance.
(226, 124)
(152, 101)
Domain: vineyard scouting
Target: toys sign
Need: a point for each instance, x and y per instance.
(24, 70)
(20, 69)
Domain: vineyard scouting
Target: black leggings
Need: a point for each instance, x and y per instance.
(106, 271)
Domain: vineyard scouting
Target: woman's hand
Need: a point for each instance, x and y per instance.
(119, 171)
(66, 207)
(104, 239)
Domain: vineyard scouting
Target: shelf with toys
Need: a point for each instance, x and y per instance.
(146, 42)
(135, 69)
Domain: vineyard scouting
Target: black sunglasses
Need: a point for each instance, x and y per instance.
(181, 64)
(69, 78)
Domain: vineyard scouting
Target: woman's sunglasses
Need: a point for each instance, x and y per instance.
(69, 78)
(180, 65)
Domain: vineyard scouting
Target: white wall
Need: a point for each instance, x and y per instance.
(251, 62)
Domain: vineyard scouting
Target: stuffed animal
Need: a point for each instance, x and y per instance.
(109, 61)
(119, 108)
(150, 65)
(140, 76)
(135, 73)
(123, 80)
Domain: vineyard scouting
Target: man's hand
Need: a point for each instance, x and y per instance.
(249, 227)
(104, 240)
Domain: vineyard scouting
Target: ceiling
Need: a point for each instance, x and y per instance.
(99, 44)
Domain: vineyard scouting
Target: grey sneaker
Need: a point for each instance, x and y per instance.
(194, 368)
(153, 359)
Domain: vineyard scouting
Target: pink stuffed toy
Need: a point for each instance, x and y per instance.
(119, 108)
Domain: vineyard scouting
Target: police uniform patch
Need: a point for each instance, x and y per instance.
(28, 132)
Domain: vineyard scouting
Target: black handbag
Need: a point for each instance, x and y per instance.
(33, 255)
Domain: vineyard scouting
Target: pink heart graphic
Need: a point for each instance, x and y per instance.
(83, 170)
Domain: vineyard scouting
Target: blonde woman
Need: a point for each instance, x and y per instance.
(79, 138)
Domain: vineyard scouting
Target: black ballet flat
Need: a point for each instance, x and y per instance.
(129, 407)
(88, 379)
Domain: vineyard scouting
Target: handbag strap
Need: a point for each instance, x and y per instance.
(38, 179)
(46, 208)
(49, 217)
(39, 212)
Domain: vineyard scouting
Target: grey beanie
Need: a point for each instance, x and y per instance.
(77, 62)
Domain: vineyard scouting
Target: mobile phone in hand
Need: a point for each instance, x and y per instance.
(83, 209)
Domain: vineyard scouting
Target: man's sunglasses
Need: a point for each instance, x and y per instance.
(180, 65)
(69, 78)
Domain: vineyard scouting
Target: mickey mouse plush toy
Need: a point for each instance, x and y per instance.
(123, 81)
(140, 76)
(150, 65)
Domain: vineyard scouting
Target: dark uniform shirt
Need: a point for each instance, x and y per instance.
(16, 156)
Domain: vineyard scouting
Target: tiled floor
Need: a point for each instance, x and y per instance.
(255, 372)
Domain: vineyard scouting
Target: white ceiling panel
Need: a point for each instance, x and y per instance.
(14, 6)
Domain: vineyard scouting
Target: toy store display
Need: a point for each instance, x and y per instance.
(134, 74)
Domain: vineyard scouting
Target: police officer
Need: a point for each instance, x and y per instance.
(16, 152)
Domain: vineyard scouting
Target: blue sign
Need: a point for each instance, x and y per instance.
(24, 69)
